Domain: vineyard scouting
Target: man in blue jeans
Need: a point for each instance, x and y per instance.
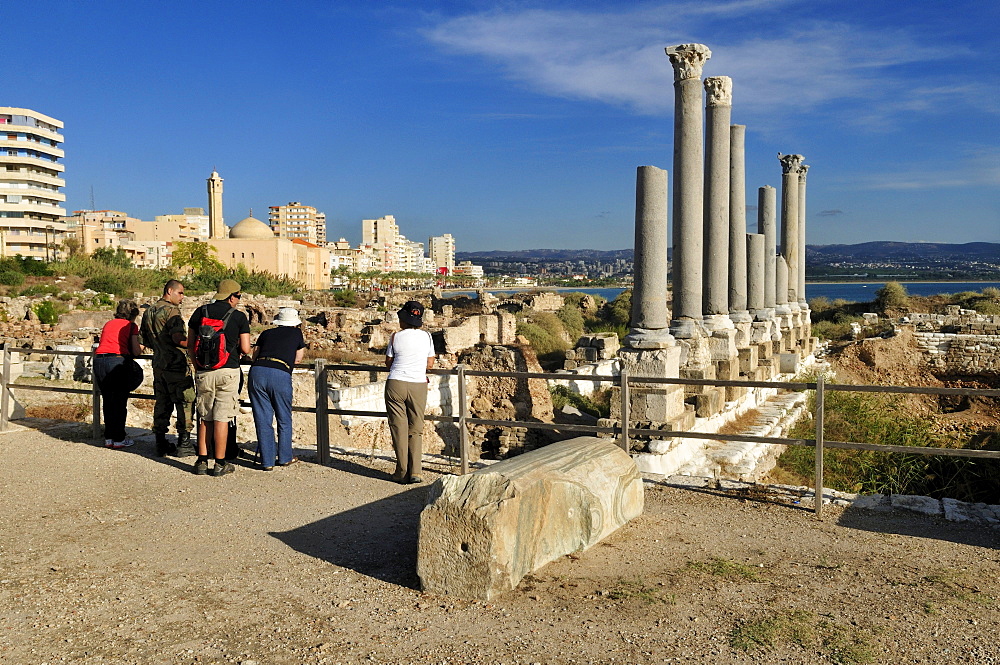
(274, 355)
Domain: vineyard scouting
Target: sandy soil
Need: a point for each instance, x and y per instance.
(119, 557)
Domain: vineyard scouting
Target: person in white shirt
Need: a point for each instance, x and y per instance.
(409, 355)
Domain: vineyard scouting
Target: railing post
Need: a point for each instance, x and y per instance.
(5, 394)
(95, 393)
(624, 443)
(463, 429)
(322, 412)
(820, 394)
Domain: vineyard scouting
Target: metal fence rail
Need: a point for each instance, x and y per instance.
(623, 431)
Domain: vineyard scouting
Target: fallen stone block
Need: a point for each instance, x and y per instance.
(918, 504)
(481, 533)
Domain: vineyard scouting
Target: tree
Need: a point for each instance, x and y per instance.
(112, 256)
(72, 246)
(892, 296)
(196, 257)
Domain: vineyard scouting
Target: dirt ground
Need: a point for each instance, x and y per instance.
(120, 557)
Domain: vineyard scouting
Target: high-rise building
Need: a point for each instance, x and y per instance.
(296, 220)
(31, 203)
(442, 252)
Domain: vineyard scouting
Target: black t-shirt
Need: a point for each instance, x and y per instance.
(279, 344)
(235, 326)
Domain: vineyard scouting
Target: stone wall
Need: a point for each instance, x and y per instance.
(960, 342)
(499, 328)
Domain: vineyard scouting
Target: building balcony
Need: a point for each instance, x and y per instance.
(32, 129)
(25, 176)
(46, 211)
(30, 145)
(34, 161)
(35, 192)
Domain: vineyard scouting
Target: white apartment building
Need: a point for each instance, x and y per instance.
(467, 269)
(31, 203)
(442, 252)
(296, 220)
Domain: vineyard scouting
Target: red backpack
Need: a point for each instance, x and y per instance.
(210, 348)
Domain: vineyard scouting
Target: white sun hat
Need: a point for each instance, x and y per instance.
(287, 316)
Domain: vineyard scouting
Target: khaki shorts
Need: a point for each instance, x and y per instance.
(218, 394)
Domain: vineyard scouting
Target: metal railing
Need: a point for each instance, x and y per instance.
(622, 431)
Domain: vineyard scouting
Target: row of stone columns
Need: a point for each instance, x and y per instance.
(736, 300)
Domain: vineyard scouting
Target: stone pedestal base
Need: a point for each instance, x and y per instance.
(655, 403)
(642, 338)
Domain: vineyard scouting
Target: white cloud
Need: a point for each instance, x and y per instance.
(978, 167)
(616, 57)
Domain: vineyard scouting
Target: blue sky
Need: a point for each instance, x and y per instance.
(514, 125)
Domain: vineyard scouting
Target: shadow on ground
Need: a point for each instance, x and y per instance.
(908, 523)
(377, 539)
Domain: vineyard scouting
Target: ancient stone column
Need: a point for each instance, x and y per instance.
(737, 226)
(688, 205)
(766, 226)
(781, 285)
(755, 272)
(802, 236)
(650, 318)
(718, 112)
(790, 224)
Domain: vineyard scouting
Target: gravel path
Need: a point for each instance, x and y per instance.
(119, 557)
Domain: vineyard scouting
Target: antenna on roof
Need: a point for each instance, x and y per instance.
(92, 206)
(251, 212)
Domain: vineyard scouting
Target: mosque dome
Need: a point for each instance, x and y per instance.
(251, 228)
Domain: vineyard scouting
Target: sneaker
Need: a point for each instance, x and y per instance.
(201, 468)
(108, 443)
(416, 480)
(124, 443)
(223, 469)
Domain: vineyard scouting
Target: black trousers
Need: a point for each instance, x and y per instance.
(113, 380)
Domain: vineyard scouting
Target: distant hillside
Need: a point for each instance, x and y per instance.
(880, 251)
(988, 252)
(537, 255)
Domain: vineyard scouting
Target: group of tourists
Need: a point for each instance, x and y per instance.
(206, 401)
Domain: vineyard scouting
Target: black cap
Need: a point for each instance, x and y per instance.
(411, 313)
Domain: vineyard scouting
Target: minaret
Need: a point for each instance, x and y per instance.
(216, 227)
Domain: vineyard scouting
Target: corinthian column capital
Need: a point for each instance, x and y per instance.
(688, 60)
(720, 90)
(802, 172)
(790, 163)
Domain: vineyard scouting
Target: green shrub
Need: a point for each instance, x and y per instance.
(345, 298)
(597, 405)
(40, 290)
(991, 292)
(546, 335)
(49, 312)
(892, 296)
(618, 312)
(119, 285)
(11, 278)
(820, 304)
(572, 320)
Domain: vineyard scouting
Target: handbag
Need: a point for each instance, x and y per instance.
(133, 373)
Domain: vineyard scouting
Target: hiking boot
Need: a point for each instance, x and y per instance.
(223, 469)
(184, 446)
(163, 446)
(201, 468)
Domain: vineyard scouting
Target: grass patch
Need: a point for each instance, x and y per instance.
(598, 404)
(637, 589)
(885, 419)
(839, 644)
(74, 413)
(726, 568)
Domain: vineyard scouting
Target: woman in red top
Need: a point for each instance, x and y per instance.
(114, 371)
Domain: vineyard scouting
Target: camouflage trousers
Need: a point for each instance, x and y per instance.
(173, 390)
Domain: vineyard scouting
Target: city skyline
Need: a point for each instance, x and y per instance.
(519, 127)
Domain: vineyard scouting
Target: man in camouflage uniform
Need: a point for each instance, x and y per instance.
(163, 330)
